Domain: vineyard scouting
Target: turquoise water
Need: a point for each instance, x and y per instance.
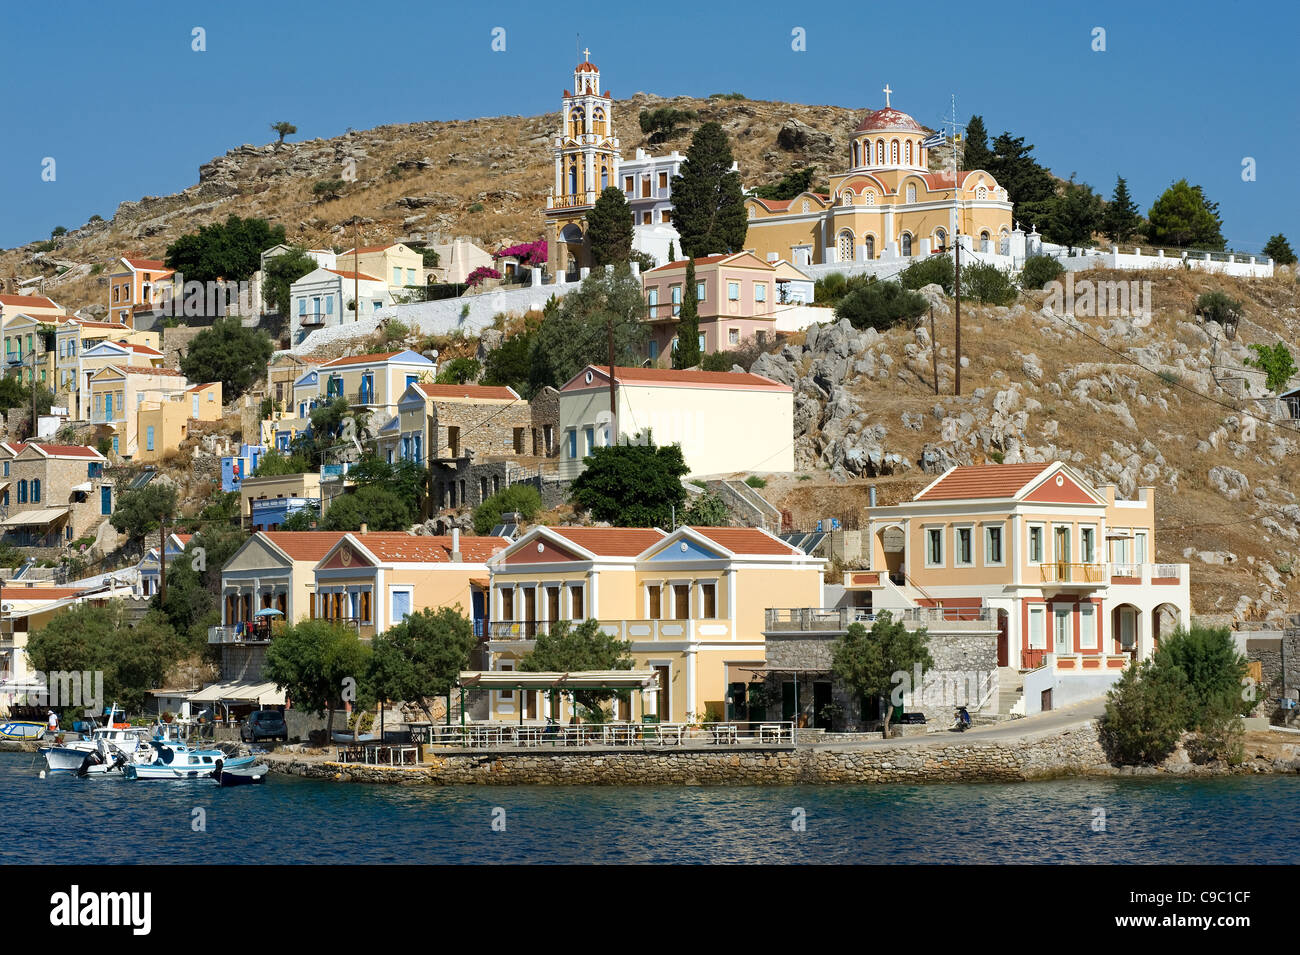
(98, 821)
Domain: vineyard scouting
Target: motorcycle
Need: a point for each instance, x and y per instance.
(962, 720)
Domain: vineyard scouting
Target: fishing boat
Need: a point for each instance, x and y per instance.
(173, 760)
(106, 749)
(18, 730)
(242, 775)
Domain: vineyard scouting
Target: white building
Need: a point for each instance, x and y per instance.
(324, 296)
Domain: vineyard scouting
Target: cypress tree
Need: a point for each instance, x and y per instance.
(688, 326)
(609, 228)
(975, 147)
(708, 201)
(1121, 220)
(1279, 250)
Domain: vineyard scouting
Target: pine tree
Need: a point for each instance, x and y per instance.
(708, 201)
(975, 148)
(1073, 216)
(1184, 218)
(1121, 220)
(1279, 250)
(687, 354)
(1028, 184)
(609, 228)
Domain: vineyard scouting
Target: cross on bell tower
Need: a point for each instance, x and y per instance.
(886, 91)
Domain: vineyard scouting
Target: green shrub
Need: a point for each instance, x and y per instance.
(715, 361)
(523, 498)
(1218, 307)
(1145, 713)
(935, 270)
(755, 481)
(988, 284)
(458, 371)
(830, 288)
(476, 207)
(881, 305)
(1039, 270)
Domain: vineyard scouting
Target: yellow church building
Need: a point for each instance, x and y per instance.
(887, 205)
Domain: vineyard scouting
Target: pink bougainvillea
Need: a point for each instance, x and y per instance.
(480, 274)
(528, 253)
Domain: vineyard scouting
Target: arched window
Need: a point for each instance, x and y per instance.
(22, 492)
(846, 246)
(907, 152)
(906, 240)
(598, 122)
(940, 239)
(573, 177)
(577, 119)
(984, 241)
(604, 177)
(869, 246)
(36, 490)
(847, 198)
(868, 198)
(880, 152)
(856, 153)
(911, 192)
(1004, 242)
(805, 205)
(982, 192)
(893, 152)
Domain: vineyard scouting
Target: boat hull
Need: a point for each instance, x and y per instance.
(243, 777)
(23, 732)
(184, 771)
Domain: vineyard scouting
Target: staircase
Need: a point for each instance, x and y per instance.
(750, 507)
(1010, 689)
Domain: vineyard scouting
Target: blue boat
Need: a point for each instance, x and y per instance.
(175, 760)
(22, 731)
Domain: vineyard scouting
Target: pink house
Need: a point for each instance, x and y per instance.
(737, 296)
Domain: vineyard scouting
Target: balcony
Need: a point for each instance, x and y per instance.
(638, 631)
(1074, 575)
(1142, 575)
(311, 319)
(235, 635)
(1075, 662)
(837, 619)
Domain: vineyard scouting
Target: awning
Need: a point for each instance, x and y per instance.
(576, 680)
(263, 694)
(83, 487)
(41, 516)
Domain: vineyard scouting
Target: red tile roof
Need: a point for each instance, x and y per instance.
(479, 392)
(89, 323)
(982, 481)
(59, 450)
(612, 541)
(19, 592)
(27, 301)
(354, 275)
(700, 260)
(149, 370)
(366, 249)
(673, 378)
(943, 180)
(747, 540)
(416, 548)
(146, 265)
(304, 545)
(586, 67)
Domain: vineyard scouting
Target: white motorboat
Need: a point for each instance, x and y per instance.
(173, 760)
(104, 750)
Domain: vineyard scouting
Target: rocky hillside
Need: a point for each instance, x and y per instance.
(485, 178)
(1167, 404)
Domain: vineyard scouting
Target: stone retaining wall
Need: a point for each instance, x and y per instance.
(1071, 752)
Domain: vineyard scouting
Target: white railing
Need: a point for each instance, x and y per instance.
(633, 736)
(1146, 573)
(815, 619)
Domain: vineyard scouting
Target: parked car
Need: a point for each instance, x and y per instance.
(264, 724)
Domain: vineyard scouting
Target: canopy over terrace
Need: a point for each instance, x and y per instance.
(646, 681)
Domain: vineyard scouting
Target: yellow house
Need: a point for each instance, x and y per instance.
(373, 581)
(396, 264)
(375, 381)
(692, 603)
(272, 570)
(888, 204)
(95, 352)
(136, 282)
(116, 393)
(265, 501)
(34, 310)
(29, 337)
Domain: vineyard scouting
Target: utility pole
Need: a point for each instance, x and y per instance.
(613, 408)
(934, 352)
(356, 276)
(956, 238)
(162, 558)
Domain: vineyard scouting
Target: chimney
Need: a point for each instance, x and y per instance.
(455, 545)
(364, 528)
(871, 496)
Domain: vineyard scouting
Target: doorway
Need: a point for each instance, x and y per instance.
(1004, 641)
(821, 704)
(1045, 701)
(664, 705)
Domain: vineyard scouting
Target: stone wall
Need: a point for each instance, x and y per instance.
(176, 342)
(1271, 649)
(1074, 751)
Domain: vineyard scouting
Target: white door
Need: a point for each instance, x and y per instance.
(1064, 632)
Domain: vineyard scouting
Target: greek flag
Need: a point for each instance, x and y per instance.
(936, 140)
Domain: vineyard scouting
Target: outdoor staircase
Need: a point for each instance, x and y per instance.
(747, 504)
(1010, 689)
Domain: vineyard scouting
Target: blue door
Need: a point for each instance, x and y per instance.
(106, 500)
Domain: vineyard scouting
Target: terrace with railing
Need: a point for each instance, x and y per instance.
(837, 619)
(692, 628)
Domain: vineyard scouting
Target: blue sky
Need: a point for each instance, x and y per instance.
(117, 97)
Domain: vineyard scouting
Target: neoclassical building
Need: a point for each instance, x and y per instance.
(889, 204)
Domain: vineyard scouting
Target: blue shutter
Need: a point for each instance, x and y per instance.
(401, 605)
(148, 441)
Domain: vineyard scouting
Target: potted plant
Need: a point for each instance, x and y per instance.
(167, 716)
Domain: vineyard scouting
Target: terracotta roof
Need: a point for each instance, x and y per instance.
(586, 67)
(146, 265)
(206, 384)
(480, 392)
(612, 541)
(89, 323)
(354, 275)
(773, 205)
(673, 378)
(943, 180)
(149, 370)
(889, 118)
(361, 359)
(982, 481)
(397, 546)
(705, 260)
(27, 301)
(747, 540)
(140, 348)
(19, 592)
(59, 450)
(184, 538)
(304, 545)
